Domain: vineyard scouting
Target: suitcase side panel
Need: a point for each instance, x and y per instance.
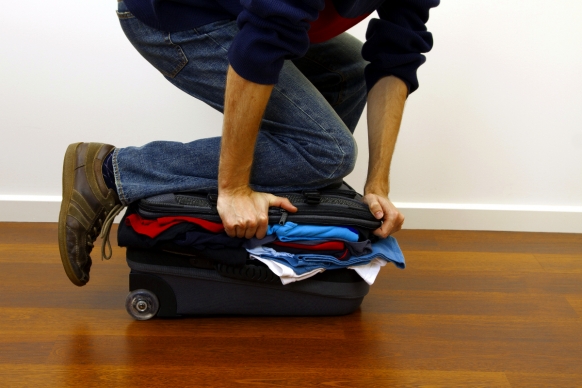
(206, 297)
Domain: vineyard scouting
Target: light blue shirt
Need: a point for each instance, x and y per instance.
(386, 249)
(293, 232)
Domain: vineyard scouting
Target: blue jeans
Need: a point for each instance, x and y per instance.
(305, 139)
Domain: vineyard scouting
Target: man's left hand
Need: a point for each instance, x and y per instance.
(383, 209)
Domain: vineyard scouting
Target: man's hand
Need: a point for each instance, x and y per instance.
(245, 213)
(383, 209)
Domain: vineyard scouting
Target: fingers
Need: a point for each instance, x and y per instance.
(245, 215)
(246, 227)
(282, 203)
(376, 209)
(383, 209)
(392, 223)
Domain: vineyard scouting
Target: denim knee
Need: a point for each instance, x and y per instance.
(350, 156)
(343, 154)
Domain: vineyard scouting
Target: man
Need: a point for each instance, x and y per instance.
(292, 85)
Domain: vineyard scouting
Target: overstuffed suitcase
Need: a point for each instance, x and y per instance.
(169, 281)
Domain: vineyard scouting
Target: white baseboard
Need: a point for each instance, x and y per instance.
(502, 218)
(32, 208)
(517, 218)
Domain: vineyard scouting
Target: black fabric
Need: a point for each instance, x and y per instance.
(235, 257)
(216, 247)
(230, 256)
(202, 240)
(366, 234)
(183, 234)
(107, 171)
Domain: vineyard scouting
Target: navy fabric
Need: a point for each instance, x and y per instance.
(202, 240)
(308, 122)
(182, 234)
(190, 239)
(107, 171)
(127, 237)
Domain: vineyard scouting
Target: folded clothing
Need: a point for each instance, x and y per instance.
(292, 251)
(356, 248)
(290, 231)
(183, 233)
(152, 228)
(368, 272)
(386, 249)
(343, 254)
(320, 246)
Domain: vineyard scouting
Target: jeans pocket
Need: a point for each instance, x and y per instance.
(154, 45)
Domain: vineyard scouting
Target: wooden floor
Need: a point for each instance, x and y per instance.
(472, 309)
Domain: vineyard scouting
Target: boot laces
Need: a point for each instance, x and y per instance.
(106, 230)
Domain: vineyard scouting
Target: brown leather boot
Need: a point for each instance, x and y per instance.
(88, 208)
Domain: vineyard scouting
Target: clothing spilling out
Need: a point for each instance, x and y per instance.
(291, 251)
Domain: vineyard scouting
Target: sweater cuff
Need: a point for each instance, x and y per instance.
(251, 65)
(407, 74)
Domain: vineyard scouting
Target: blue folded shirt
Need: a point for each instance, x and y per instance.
(386, 249)
(293, 232)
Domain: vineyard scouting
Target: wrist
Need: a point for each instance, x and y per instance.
(378, 188)
(233, 189)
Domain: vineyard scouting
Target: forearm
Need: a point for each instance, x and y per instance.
(385, 107)
(244, 106)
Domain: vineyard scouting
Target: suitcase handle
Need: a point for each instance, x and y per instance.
(312, 197)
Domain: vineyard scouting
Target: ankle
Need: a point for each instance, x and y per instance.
(108, 172)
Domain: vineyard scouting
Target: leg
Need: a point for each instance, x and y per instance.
(336, 69)
(303, 143)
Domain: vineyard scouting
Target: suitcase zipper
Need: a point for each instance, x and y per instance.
(283, 218)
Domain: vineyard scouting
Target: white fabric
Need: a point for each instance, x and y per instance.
(286, 273)
(369, 271)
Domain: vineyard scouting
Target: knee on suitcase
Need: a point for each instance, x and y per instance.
(342, 157)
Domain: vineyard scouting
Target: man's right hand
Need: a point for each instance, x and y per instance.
(245, 213)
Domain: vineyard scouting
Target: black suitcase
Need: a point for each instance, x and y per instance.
(168, 282)
(339, 205)
(170, 285)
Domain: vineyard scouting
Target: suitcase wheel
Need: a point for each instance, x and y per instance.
(142, 304)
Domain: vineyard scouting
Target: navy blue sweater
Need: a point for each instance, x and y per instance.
(274, 30)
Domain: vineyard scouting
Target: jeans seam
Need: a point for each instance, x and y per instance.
(343, 154)
(180, 52)
(216, 42)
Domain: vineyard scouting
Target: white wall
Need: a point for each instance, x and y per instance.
(491, 140)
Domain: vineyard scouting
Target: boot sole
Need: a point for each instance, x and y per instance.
(68, 180)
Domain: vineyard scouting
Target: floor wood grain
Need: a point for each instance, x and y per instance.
(472, 309)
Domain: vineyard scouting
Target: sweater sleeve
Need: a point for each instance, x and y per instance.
(270, 32)
(395, 42)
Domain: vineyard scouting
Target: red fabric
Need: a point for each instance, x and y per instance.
(153, 228)
(345, 256)
(325, 246)
(330, 24)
